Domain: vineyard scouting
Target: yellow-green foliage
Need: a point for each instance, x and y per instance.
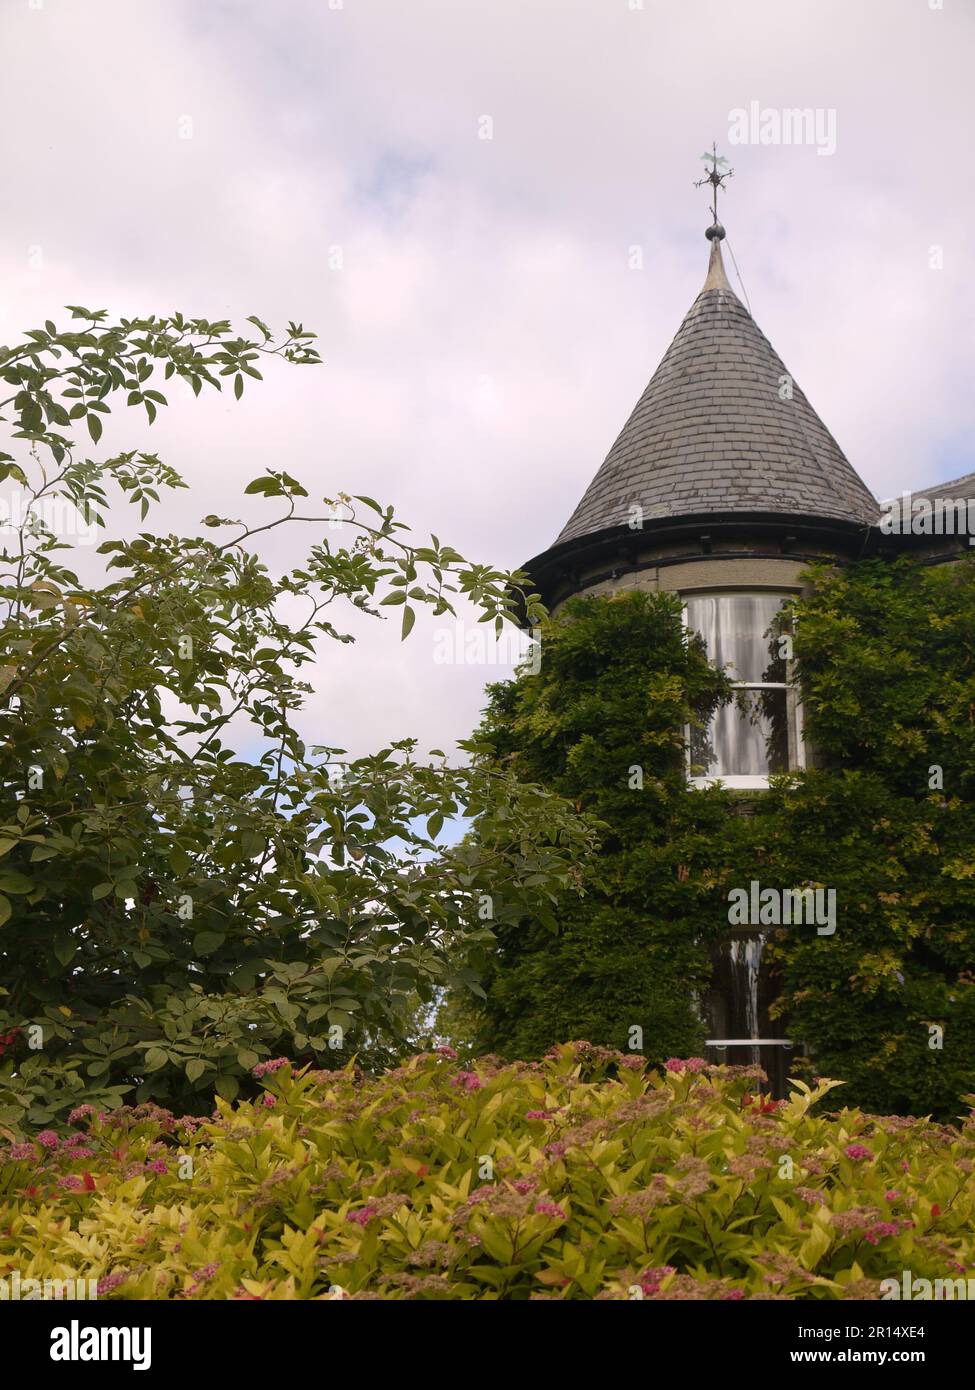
(583, 1176)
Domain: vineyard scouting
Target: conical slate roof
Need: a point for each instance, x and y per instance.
(715, 432)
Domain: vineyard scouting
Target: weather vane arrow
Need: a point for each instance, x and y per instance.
(715, 176)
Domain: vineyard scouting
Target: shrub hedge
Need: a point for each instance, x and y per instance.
(587, 1175)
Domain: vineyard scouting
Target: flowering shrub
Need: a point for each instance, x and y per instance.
(586, 1175)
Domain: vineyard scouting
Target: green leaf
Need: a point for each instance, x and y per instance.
(409, 618)
(206, 942)
(270, 487)
(64, 951)
(13, 882)
(252, 843)
(195, 1068)
(227, 1086)
(94, 427)
(5, 909)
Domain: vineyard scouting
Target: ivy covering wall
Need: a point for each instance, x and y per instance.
(603, 723)
(886, 655)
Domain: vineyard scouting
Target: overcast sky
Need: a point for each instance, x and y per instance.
(484, 328)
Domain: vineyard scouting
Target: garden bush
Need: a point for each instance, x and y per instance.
(587, 1175)
(187, 886)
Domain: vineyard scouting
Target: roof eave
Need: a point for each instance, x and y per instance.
(784, 534)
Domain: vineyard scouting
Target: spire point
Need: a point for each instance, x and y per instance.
(717, 279)
(715, 177)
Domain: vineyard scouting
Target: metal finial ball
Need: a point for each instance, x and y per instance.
(715, 232)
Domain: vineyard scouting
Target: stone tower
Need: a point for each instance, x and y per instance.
(722, 486)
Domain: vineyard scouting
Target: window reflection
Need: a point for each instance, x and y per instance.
(740, 633)
(753, 736)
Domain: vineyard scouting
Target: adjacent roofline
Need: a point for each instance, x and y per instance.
(953, 489)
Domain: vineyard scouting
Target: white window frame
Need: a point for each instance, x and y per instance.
(743, 781)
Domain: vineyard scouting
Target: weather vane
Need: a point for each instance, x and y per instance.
(715, 177)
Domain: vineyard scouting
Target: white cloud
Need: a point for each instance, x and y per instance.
(485, 340)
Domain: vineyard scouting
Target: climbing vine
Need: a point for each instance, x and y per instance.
(885, 654)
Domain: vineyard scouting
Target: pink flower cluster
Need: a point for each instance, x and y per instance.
(265, 1068)
(447, 1052)
(883, 1228)
(682, 1064)
(108, 1282)
(550, 1209)
(48, 1139)
(467, 1081)
(651, 1279)
(362, 1217)
(858, 1152)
